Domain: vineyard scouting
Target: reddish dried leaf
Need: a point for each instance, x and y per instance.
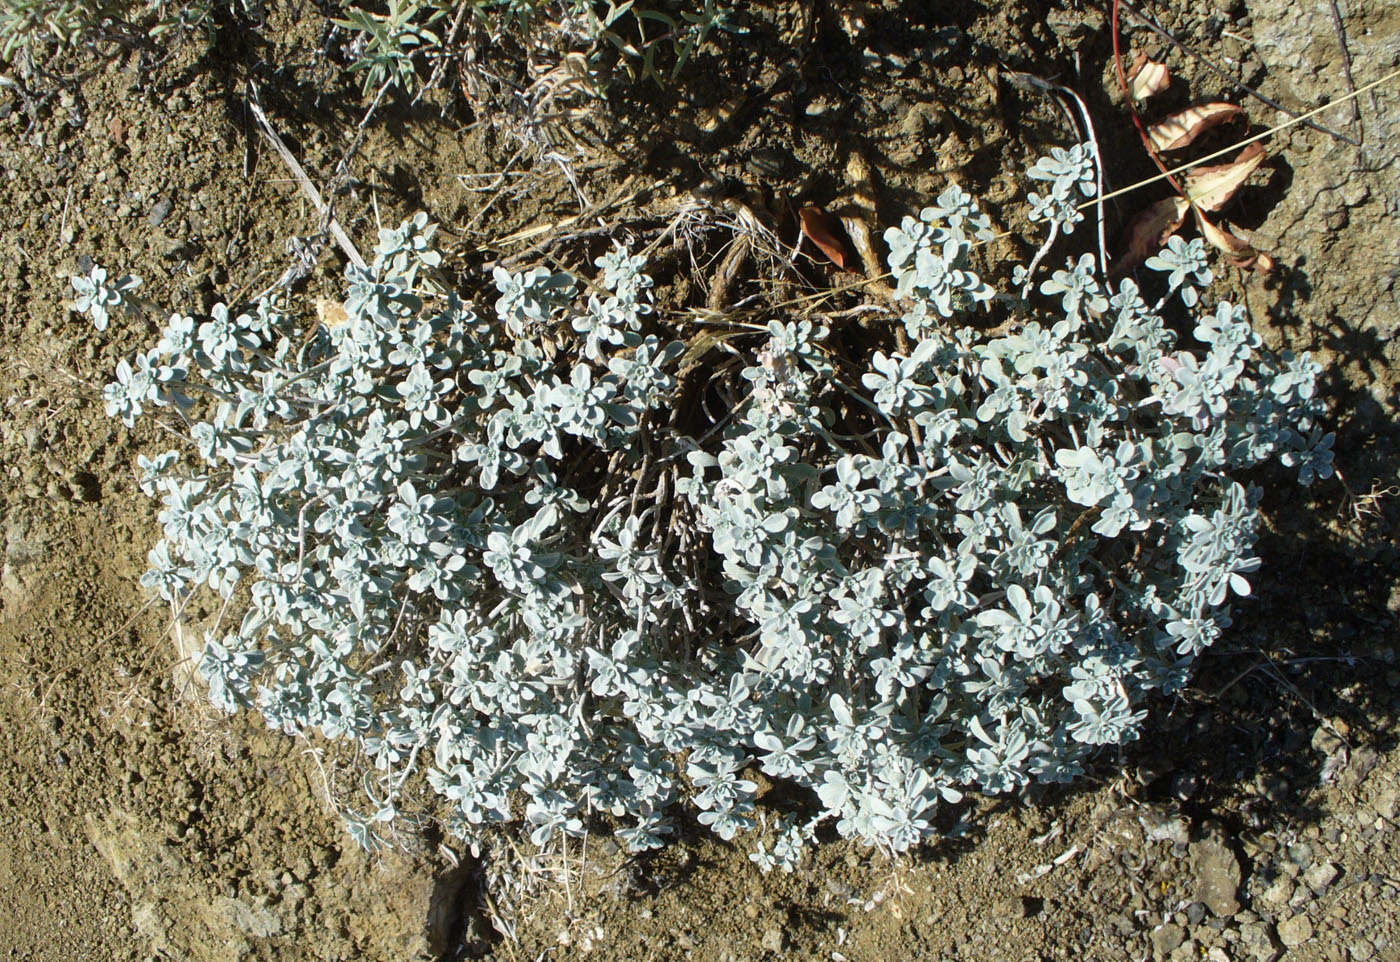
(1148, 232)
(821, 227)
(1211, 188)
(1239, 251)
(1147, 77)
(1181, 129)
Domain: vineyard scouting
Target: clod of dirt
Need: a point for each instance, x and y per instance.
(1166, 939)
(399, 910)
(1217, 872)
(170, 904)
(1295, 931)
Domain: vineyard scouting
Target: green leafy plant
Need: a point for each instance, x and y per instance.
(387, 43)
(77, 23)
(66, 22)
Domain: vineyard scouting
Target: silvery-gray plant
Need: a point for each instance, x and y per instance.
(477, 541)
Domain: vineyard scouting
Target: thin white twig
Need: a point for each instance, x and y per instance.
(1087, 133)
(307, 187)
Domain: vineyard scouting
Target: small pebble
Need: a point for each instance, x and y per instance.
(772, 939)
(1295, 931)
(1166, 939)
(160, 211)
(1321, 876)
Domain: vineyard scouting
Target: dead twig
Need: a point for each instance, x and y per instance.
(1346, 71)
(307, 187)
(1056, 91)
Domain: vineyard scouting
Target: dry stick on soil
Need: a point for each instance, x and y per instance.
(1264, 666)
(1220, 72)
(441, 65)
(63, 219)
(1238, 251)
(1346, 71)
(308, 188)
(342, 166)
(1272, 669)
(620, 197)
(315, 753)
(495, 191)
(1363, 506)
(1132, 107)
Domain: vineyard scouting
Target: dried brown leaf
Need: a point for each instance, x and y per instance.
(1211, 188)
(1181, 129)
(330, 313)
(1148, 232)
(1147, 77)
(821, 227)
(1239, 251)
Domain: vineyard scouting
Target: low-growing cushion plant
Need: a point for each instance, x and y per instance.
(544, 562)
